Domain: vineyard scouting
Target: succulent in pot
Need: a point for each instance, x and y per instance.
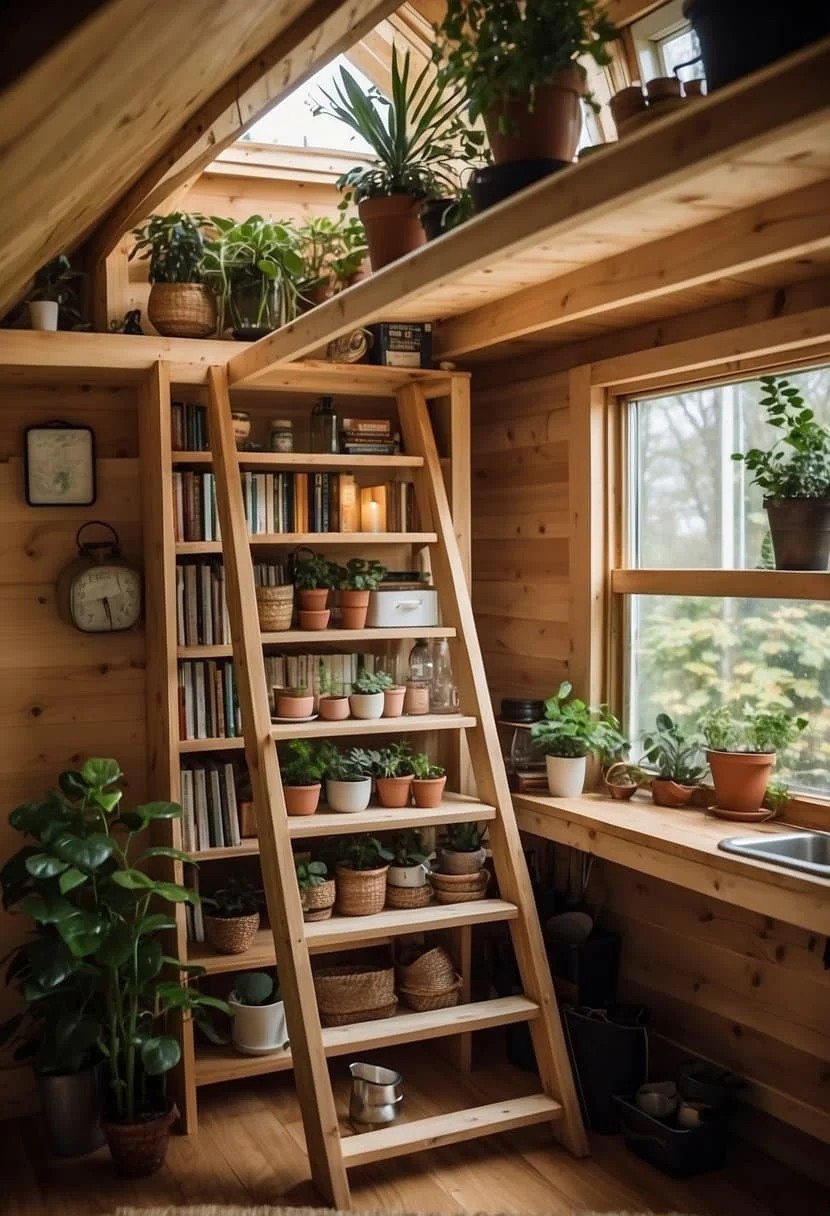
(301, 769)
(571, 731)
(54, 301)
(794, 476)
(333, 702)
(181, 305)
(294, 702)
(674, 758)
(313, 577)
(355, 582)
(233, 920)
(348, 777)
(410, 862)
(367, 699)
(428, 781)
(317, 890)
(255, 267)
(259, 1025)
(392, 770)
(361, 875)
(461, 850)
(742, 744)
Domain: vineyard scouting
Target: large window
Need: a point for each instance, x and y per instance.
(691, 509)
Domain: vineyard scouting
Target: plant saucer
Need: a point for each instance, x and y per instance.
(741, 816)
(308, 718)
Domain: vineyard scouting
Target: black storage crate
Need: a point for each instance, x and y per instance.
(678, 1151)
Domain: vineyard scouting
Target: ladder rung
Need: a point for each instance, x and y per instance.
(470, 1124)
(455, 808)
(373, 726)
(349, 931)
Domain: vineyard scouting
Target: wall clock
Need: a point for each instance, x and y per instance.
(99, 592)
(60, 465)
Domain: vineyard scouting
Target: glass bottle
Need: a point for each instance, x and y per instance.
(421, 676)
(324, 426)
(444, 693)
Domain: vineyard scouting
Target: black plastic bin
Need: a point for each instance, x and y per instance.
(679, 1151)
(608, 1049)
(592, 966)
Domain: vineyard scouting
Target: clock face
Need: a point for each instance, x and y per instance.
(105, 599)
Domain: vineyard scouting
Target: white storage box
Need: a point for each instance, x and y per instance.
(410, 607)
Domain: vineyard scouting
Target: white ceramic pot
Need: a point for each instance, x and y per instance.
(348, 796)
(43, 314)
(407, 876)
(366, 704)
(566, 775)
(258, 1029)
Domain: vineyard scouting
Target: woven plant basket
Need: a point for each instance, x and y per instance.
(460, 897)
(408, 897)
(353, 986)
(432, 971)
(452, 883)
(359, 1015)
(275, 606)
(318, 902)
(423, 1001)
(139, 1149)
(231, 935)
(182, 310)
(360, 892)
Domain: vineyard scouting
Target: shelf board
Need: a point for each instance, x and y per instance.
(749, 584)
(301, 461)
(248, 848)
(373, 726)
(190, 548)
(211, 745)
(214, 1064)
(319, 637)
(455, 808)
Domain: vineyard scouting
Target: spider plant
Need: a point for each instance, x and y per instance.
(255, 268)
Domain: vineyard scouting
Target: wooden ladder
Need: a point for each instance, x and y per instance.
(329, 1154)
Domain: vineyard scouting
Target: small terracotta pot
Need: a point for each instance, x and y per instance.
(428, 791)
(393, 699)
(740, 779)
(313, 619)
(312, 599)
(550, 130)
(295, 707)
(671, 793)
(394, 791)
(302, 799)
(393, 228)
(231, 934)
(354, 606)
(333, 709)
(139, 1149)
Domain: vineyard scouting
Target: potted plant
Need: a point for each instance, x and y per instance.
(180, 304)
(355, 581)
(333, 251)
(348, 777)
(254, 267)
(741, 750)
(294, 702)
(317, 890)
(349, 254)
(675, 760)
(428, 781)
(461, 850)
(569, 732)
(313, 578)
(301, 769)
(88, 881)
(410, 862)
(333, 703)
(233, 921)
(517, 62)
(739, 36)
(367, 698)
(54, 296)
(259, 1025)
(392, 769)
(794, 475)
(622, 780)
(361, 875)
(417, 136)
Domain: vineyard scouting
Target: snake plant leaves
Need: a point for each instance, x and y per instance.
(159, 1055)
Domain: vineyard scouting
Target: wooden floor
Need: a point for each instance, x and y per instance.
(249, 1151)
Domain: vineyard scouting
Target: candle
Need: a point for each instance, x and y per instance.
(370, 517)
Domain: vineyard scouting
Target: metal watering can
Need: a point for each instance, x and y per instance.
(376, 1095)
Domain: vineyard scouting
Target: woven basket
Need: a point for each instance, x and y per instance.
(432, 971)
(460, 883)
(359, 1015)
(275, 606)
(408, 897)
(360, 892)
(353, 986)
(422, 1001)
(318, 902)
(459, 897)
(231, 935)
(182, 310)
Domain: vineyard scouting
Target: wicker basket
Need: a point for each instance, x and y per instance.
(459, 883)
(354, 986)
(422, 1001)
(408, 897)
(360, 892)
(318, 902)
(182, 310)
(431, 971)
(275, 606)
(231, 934)
(459, 897)
(359, 1015)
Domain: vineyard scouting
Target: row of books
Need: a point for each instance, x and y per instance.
(210, 811)
(189, 427)
(201, 607)
(369, 437)
(208, 702)
(316, 672)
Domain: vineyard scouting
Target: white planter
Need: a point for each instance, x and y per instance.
(348, 796)
(407, 876)
(43, 314)
(258, 1029)
(366, 704)
(566, 775)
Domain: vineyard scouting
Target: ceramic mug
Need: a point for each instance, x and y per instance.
(657, 1098)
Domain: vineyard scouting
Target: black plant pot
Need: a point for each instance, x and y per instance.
(739, 36)
(432, 216)
(800, 529)
(494, 183)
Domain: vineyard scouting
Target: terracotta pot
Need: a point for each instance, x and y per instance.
(394, 791)
(451, 862)
(314, 620)
(393, 699)
(182, 310)
(312, 599)
(289, 706)
(740, 779)
(550, 130)
(671, 793)
(139, 1149)
(800, 530)
(302, 799)
(231, 934)
(428, 791)
(354, 605)
(393, 228)
(333, 709)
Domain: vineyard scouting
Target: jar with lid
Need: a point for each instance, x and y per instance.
(324, 426)
(421, 676)
(281, 435)
(241, 427)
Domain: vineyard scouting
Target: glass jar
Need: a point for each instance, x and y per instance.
(241, 427)
(444, 691)
(421, 675)
(324, 427)
(281, 435)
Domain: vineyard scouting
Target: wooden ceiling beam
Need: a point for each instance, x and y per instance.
(626, 12)
(793, 226)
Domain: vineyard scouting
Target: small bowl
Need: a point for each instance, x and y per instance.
(657, 1098)
(692, 1114)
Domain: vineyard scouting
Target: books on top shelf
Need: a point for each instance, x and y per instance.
(201, 608)
(210, 809)
(189, 429)
(208, 702)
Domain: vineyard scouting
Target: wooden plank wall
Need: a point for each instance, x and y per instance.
(64, 695)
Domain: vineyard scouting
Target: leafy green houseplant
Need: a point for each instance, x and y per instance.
(428, 781)
(314, 576)
(367, 699)
(355, 581)
(417, 137)
(232, 915)
(333, 702)
(348, 777)
(53, 301)
(180, 305)
(361, 875)
(255, 268)
(674, 757)
(461, 850)
(317, 890)
(410, 860)
(259, 1025)
(742, 744)
(392, 769)
(333, 251)
(571, 731)
(301, 769)
(794, 476)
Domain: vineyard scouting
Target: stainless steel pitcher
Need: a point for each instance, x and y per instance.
(376, 1095)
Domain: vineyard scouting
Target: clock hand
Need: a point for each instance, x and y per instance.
(107, 609)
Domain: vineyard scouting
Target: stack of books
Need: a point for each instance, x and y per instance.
(208, 702)
(316, 671)
(189, 427)
(369, 437)
(201, 608)
(210, 812)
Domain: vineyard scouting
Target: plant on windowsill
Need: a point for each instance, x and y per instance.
(571, 731)
(301, 770)
(794, 475)
(355, 582)
(742, 745)
(259, 1026)
(317, 890)
(313, 578)
(232, 923)
(348, 777)
(368, 695)
(622, 780)
(392, 770)
(674, 759)
(361, 875)
(254, 267)
(428, 782)
(181, 305)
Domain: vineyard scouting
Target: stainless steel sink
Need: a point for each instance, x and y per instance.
(808, 851)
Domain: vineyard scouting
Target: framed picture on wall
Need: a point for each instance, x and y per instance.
(60, 465)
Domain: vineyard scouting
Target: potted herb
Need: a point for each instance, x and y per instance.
(348, 777)
(180, 304)
(674, 758)
(317, 890)
(367, 698)
(571, 731)
(794, 475)
(313, 577)
(392, 769)
(739, 36)
(254, 267)
(259, 1025)
(301, 769)
(461, 850)
(741, 750)
(428, 781)
(333, 703)
(294, 702)
(53, 301)
(349, 254)
(231, 925)
(361, 875)
(410, 863)
(355, 581)
(417, 136)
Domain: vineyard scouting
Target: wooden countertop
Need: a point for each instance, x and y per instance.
(679, 847)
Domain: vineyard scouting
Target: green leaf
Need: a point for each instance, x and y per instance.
(72, 785)
(83, 932)
(107, 802)
(162, 850)
(50, 962)
(155, 922)
(99, 773)
(41, 865)
(84, 852)
(159, 1055)
(116, 947)
(133, 880)
(70, 879)
(148, 959)
(158, 810)
(175, 893)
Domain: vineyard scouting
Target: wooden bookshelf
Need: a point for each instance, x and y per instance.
(300, 462)
(322, 637)
(321, 540)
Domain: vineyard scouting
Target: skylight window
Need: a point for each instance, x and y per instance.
(292, 123)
